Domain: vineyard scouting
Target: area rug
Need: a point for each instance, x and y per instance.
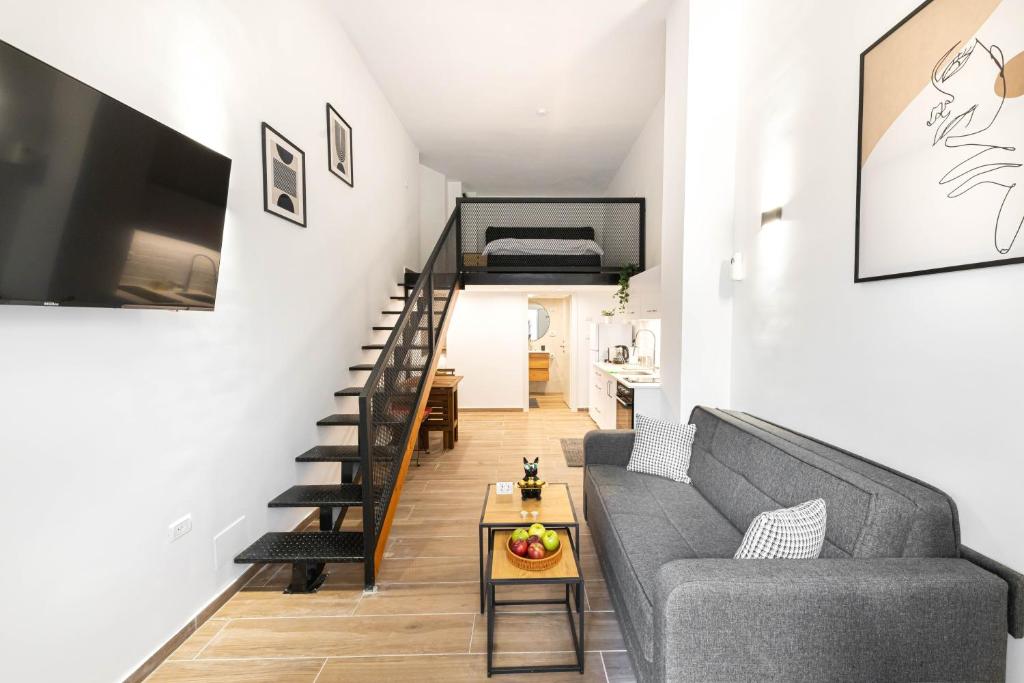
(572, 450)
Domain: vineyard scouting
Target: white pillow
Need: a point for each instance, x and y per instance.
(795, 533)
(661, 448)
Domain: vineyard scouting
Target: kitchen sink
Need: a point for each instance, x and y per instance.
(633, 372)
(646, 378)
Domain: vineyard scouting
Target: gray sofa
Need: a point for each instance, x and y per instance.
(889, 601)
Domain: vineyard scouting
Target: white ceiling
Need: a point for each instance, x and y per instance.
(468, 76)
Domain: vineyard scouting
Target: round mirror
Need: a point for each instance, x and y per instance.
(538, 320)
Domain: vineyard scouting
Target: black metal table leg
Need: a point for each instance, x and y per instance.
(581, 611)
(480, 543)
(490, 630)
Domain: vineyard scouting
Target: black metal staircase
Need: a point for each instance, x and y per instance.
(386, 420)
(394, 393)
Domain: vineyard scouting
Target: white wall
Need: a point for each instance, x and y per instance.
(433, 216)
(487, 344)
(923, 374)
(114, 423)
(454, 192)
(708, 217)
(677, 38)
(696, 242)
(641, 175)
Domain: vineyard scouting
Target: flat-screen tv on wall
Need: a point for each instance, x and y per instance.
(101, 205)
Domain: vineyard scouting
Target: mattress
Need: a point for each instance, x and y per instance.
(511, 246)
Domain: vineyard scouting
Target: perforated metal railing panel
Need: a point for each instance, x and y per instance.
(617, 227)
(389, 400)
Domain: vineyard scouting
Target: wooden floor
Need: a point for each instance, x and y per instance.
(423, 624)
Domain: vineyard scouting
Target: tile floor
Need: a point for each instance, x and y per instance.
(423, 623)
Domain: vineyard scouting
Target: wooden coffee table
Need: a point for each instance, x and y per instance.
(555, 511)
(501, 572)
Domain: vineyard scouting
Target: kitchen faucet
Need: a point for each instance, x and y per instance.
(654, 345)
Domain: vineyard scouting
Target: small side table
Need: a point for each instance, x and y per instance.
(555, 510)
(501, 572)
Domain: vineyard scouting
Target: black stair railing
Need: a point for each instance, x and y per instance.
(388, 401)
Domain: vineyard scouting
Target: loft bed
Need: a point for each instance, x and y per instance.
(539, 247)
(549, 240)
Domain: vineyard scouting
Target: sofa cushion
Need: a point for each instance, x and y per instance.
(651, 521)
(935, 529)
(743, 470)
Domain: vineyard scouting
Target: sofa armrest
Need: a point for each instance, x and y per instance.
(814, 620)
(608, 447)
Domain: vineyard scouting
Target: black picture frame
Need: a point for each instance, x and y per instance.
(268, 206)
(332, 154)
(857, 278)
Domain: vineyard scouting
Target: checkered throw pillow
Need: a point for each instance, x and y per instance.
(795, 533)
(661, 448)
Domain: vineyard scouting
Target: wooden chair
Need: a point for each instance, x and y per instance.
(423, 439)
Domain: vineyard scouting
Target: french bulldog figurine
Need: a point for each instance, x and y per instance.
(531, 485)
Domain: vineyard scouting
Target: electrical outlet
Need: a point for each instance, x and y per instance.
(179, 528)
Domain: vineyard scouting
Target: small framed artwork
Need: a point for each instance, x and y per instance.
(284, 177)
(940, 182)
(339, 146)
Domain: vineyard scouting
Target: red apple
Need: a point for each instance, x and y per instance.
(533, 539)
(536, 551)
(519, 547)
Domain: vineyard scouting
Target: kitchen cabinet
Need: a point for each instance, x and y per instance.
(645, 294)
(602, 398)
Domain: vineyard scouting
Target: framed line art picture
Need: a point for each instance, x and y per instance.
(284, 177)
(940, 182)
(339, 146)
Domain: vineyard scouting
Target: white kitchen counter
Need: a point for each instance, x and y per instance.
(617, 371)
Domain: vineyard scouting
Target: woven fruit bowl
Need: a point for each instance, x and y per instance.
(549, 560)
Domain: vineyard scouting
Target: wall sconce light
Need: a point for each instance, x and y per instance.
(771, 216)
(737, 268)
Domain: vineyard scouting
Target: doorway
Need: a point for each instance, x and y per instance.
(549, 329)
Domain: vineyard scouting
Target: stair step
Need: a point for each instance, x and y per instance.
(305, 546)
(380, 347)
(348, 391)
(340, 420)
(330, 454)
(320, 495)
(366, 367)
(384, 328)
(391, 313)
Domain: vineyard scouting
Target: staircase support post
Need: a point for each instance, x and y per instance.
(369, 509)
(430, 316)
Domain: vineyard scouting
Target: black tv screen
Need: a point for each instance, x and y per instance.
(101, 205)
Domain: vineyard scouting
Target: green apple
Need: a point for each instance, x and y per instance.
(520, 535)
(550, 541)
(537, 529)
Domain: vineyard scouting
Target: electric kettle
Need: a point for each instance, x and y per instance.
(621, 355)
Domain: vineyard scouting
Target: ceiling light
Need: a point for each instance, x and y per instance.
(541, 111)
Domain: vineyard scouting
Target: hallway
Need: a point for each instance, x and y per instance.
(423, 623)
